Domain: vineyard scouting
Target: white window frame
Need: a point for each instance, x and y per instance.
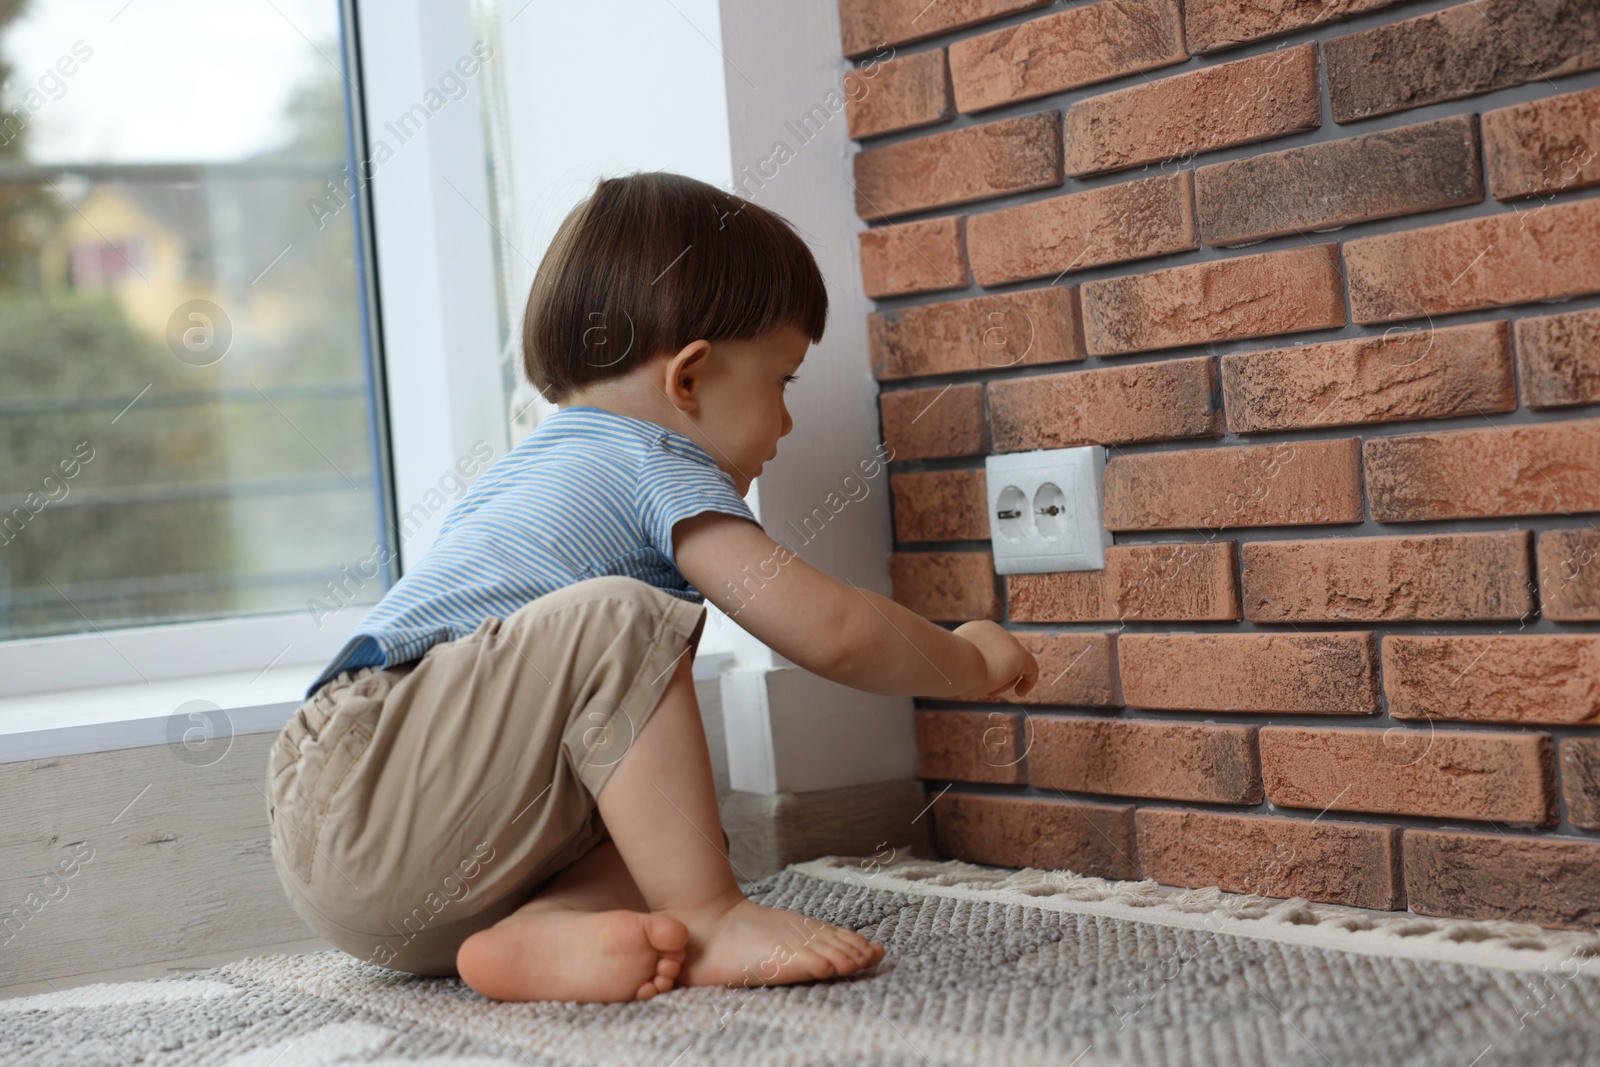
(437, 347)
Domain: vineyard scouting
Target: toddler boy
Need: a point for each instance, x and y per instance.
(503, 774)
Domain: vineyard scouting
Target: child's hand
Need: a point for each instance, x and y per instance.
(1007, 663)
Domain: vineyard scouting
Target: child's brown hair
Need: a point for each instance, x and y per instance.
(653, 260)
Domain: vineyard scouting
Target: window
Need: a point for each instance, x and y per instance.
(191, 404)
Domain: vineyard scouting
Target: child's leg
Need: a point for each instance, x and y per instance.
(660, 807)
(599, 933)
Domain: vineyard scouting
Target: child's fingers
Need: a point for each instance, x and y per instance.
(1020, 684)
(1030, 674)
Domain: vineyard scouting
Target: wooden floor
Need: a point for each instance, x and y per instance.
(159, 970)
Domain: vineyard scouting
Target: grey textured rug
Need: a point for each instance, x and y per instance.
(984, 967)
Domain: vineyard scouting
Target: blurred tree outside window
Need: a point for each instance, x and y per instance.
(186, 419)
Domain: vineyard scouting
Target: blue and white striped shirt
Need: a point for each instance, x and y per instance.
(587, 493)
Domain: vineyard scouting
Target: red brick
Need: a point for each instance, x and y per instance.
(1376, 579)
(1316, 674)
(923, 423)
(945, 586)
(1110, 224)
(1580, 780)
(1425, 167)
(1295, 483)
(1144, 402)
(1543, 147)
(1545, 253)
(868, 24)
(1463, 50)
(1569, 575)
(1550, 468)
(1021, 329)
(1075, 669)
(1416, 374)
(1081, 46)
(1172, 582)
(1290, 291)
(970, 746)
(1354, 864)
(1499, 777)
(1135, 758)
(940, 506)
(1544, 880)
(1092, 839)
(1212, 25)
(915, 257)
(1558, 359)
(959, 166)
(1185, 114)
(901, 94)
(1520, 678)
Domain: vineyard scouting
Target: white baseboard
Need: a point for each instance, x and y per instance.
(791, 731)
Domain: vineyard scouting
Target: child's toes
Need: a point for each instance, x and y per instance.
(859, 954)
(842, 949)
(853, 943)
(668, 968)
(667, 935)
(647, 991)
(868, 952)
(823, 963)
(662, 983)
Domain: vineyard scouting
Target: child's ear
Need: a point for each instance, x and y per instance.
(683, 374)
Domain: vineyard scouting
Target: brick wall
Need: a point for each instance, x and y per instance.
(1324, 278)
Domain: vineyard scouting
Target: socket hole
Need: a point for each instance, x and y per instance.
(1012, 513)
(1050, 511)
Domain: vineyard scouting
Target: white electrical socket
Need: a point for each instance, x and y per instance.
(1044, 510)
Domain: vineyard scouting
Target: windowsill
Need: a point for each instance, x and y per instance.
(111, 717)
(107, 718)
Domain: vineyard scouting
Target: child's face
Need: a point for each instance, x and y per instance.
(742, 412)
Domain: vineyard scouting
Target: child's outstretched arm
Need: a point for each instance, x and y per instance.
(842, 632)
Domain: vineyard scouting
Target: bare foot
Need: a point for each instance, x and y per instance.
(745, 943)
(587, 956)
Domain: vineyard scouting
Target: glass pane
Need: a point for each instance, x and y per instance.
(186, 417)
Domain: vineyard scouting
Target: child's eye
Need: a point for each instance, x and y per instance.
(787, 378)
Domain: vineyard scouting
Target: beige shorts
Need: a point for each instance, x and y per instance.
(412, 806)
